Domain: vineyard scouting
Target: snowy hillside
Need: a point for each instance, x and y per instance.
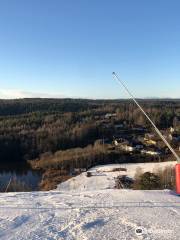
(91, 210)
(103, 176)
(92, 215)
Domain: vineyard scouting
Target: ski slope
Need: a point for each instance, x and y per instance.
(103, 176)
(92, 211)
(93, 215)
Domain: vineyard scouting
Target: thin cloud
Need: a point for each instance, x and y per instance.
(15, 93)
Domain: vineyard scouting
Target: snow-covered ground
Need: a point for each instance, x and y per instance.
(93, 215)
(104, 178)
(91, 210)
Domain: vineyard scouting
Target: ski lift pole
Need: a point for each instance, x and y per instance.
(156, 129)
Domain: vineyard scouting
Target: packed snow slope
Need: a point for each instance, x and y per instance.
(93, 215)
(100, 214)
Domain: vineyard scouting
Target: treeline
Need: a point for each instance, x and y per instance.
(160, 179)
(26, 137)
(28, 105)
(87, 157)
(62, 165)
(31, 127)
(71, 159)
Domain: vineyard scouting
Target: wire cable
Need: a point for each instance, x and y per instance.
(149, 119)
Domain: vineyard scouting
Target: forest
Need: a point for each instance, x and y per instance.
(30, 128)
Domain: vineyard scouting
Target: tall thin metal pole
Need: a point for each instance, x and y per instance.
(149, 119)
(8, 184)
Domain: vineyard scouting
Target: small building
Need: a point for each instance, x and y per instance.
(110, 115)
(77, 171)
(150, 141)
(127, 148)
(150, 135)
(171, 129)
(120, 141)
(150, 152)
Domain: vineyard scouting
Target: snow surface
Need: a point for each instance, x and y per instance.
(104, 178)
(94, 213)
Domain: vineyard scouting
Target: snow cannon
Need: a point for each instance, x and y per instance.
(178, 178)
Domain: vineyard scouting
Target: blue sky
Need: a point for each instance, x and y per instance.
(70, 48)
